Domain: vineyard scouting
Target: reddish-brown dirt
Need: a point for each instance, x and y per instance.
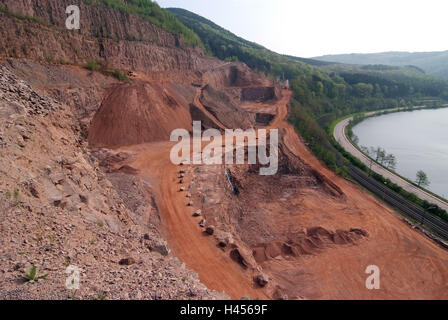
(412, 266)
(141, 112)
(216, 270)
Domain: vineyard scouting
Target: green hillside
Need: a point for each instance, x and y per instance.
(433, 63)
(152, 12)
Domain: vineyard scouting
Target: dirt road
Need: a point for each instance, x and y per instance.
(186, 239)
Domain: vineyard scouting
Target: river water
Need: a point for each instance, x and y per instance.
(418, 139)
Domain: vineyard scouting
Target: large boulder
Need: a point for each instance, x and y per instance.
(261, 279)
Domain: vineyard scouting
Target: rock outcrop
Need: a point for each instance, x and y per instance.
(117, 38)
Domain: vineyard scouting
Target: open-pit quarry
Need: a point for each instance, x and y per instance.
(308, 231)
(86, 179)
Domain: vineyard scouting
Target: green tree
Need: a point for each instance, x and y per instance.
(363, 90)
(422, 179)
(380, 154)
(390, 162)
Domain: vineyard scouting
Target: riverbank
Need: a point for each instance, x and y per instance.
(339, 134)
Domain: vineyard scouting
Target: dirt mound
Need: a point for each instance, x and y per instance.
(141, 112)
(312, 242)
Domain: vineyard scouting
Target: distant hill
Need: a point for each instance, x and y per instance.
(225, 45)
(433, 63)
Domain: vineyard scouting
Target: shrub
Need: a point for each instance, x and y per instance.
(92, 65)
(120, 75)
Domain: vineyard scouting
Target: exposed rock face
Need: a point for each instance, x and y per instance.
(99, 21)
(219, 104)
(260, 94)
(102, 36)
(234, 75)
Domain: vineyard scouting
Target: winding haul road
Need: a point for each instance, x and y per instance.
(341, 138)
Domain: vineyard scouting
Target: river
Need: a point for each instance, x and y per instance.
(418, 139)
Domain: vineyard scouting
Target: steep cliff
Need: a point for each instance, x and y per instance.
(35, 29)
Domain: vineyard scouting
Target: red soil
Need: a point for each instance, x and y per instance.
(412, 266)
(141, 112)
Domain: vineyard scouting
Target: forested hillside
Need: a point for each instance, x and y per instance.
(322, 88)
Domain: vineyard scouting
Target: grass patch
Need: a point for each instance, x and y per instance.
(120, 75)
(92, 65)
(104, 68)
(100, 296)
(33, 275)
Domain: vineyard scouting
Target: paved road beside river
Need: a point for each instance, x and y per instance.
(341, 138)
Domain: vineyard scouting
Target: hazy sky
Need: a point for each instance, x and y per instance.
(308, 28)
